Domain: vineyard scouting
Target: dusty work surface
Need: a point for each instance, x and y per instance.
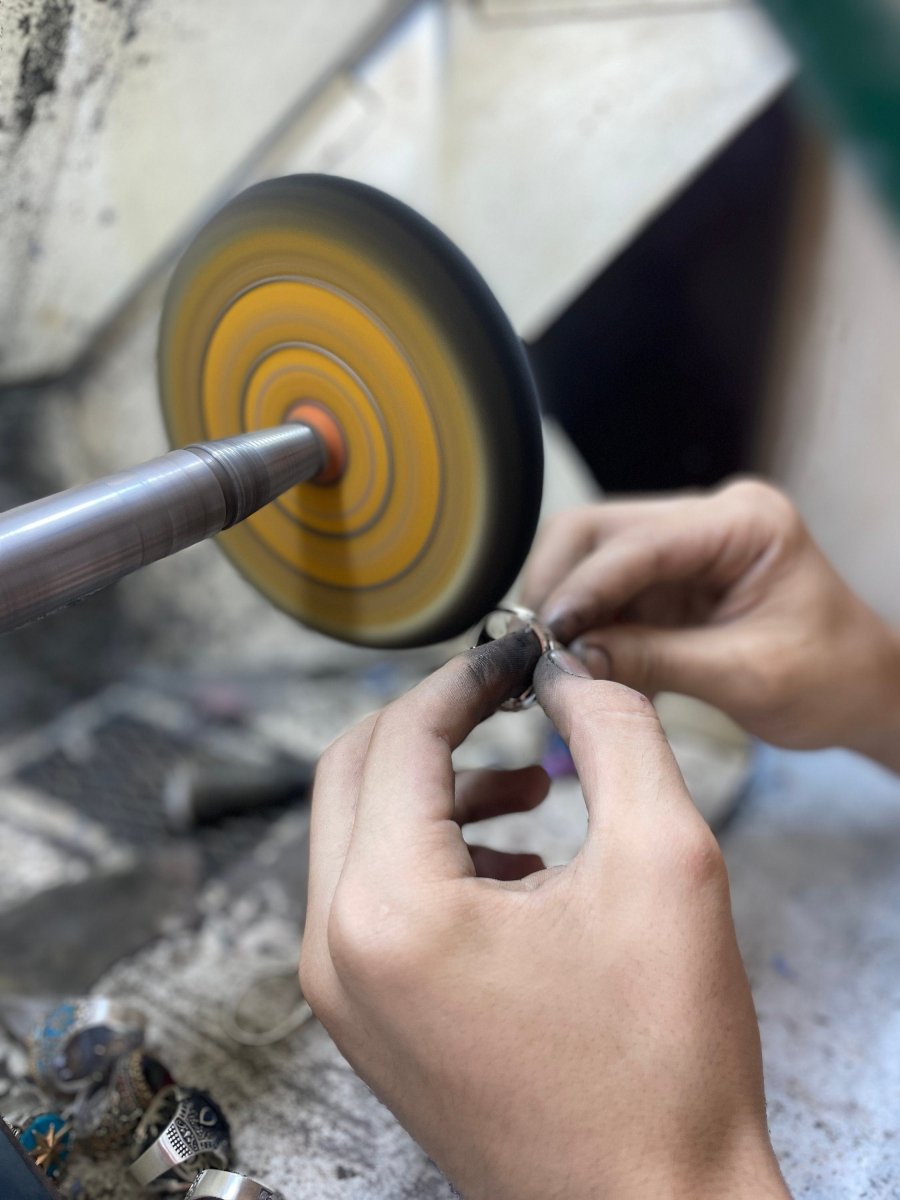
(814, 853)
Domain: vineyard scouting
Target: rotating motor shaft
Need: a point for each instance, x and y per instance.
(62, 548)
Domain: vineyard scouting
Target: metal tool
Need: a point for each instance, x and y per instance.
(59, 549)
(358, 416)
(197, 794)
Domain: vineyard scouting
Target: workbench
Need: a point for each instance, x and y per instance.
(814, 856)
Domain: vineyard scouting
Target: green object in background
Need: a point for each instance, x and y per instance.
(850, 50)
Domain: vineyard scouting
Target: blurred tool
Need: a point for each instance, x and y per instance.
(124, 909)
(356, 412)
(69, 545)
(197, 794)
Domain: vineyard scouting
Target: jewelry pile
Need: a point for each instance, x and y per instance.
(100, 1090)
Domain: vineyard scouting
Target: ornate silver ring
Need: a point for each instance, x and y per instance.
(107, 1118)
(182, 1132)
(78, 1044)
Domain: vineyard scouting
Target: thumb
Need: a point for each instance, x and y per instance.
(695, 662)
(625, 764)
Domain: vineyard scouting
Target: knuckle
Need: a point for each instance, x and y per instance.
(605, 698)
(389, 720)
(569, 520)
(758, 495)
(315, 981)
(351, 932)
(333, 754)
(350, 742)
(606, 702)
(697, 857)
(573, 527)
(374, 944)
(767, 681)
(398, 728)
(552, 526)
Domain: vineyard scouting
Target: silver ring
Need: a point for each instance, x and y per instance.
(183, 1131)
(228, 1185)
(46, 1137)
(106, 1119)
(77, 1045)
(511, 618)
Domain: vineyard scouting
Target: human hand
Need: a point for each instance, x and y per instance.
(725, 597)
(576, 1032)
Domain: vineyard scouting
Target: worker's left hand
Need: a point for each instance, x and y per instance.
(577, 1032)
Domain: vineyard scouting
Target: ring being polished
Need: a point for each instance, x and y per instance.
(504, 620)
(228, 1185)
(77, 1045)
(182, 1132)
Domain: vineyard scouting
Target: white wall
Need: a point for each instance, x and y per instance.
(833, 429)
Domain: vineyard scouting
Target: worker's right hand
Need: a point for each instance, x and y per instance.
(725, 597)
(575, 1032)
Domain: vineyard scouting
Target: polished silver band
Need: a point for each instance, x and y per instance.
(196, 1130)
(100, 1010)
(228, 1185)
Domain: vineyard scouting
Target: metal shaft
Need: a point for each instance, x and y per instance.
(60, 549)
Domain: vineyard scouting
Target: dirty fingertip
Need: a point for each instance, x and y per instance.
(561, 616)
(559, 663)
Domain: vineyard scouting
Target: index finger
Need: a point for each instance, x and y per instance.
(405, 812)
(687, 539)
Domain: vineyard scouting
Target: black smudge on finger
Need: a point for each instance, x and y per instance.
(501, 669)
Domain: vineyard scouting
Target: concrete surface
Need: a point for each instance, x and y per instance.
(814, 859)
(121, 124)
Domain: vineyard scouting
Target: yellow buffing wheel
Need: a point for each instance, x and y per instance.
(317, 299)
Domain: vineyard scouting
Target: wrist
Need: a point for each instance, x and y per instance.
(744, 1169)
(878, 734)
(750, 1173)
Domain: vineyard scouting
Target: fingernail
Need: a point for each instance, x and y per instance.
(596, 658)
(564, 661)
(559, 617)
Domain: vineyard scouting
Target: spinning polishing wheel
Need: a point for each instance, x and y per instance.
(315, 299)
(315, 302)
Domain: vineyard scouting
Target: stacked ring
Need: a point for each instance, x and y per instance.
(46, 1138)
(182, 1132)
(228, 1185)
(77, 1046)
(108, 1117)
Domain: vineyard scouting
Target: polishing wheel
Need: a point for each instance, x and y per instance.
(317, 300)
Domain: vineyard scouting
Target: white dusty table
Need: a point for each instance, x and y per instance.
(814, 857)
